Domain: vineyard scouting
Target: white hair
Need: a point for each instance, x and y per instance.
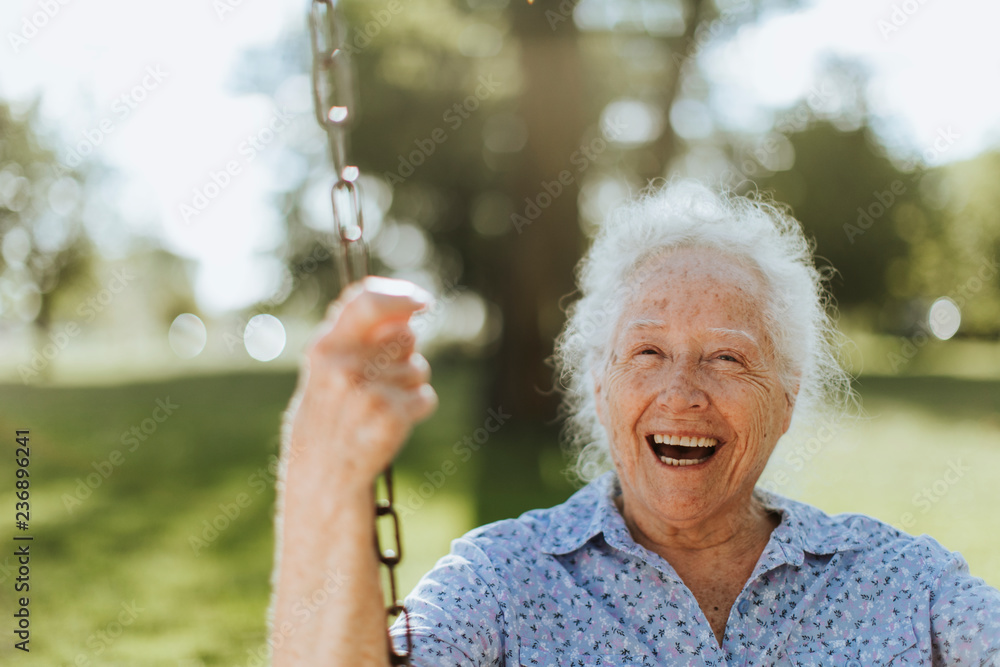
(685, 214)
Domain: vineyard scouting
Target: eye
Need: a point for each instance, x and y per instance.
(727, 357)
(648, 350)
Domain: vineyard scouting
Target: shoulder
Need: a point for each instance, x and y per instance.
(862, 539)
(538, 533)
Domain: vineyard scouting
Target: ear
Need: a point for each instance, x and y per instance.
(598, 395)
(790, 397)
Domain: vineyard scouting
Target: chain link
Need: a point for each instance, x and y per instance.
(336, 110)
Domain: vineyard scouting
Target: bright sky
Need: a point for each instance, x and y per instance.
(177, 124)
(937, 71)
(933, 64)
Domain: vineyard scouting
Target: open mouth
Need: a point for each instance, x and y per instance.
(676, 450)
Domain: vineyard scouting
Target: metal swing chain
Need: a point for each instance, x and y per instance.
(333, 97)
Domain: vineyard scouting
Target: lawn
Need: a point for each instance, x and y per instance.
(140, 557)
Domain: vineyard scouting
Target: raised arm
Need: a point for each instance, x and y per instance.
(361, 390)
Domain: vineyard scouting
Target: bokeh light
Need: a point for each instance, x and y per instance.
(944, 318)
(187, 335)
(264, 337)
(634, 122)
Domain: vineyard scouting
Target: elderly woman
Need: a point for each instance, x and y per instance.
(701, 336)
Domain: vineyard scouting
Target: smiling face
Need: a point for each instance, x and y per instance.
(690, 393)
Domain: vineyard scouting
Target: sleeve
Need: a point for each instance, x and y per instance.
(965, 618)
(456, 612)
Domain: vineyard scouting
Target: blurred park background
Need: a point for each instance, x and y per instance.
(166, 248)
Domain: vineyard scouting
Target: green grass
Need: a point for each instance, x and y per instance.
(915, 429)
(130, 540)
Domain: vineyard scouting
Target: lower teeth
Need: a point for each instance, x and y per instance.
(683, 462)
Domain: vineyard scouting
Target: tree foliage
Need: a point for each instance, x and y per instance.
(45, 247)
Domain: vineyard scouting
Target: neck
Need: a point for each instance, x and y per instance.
(731, 534)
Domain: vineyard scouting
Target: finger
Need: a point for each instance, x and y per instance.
(376, 299)
(424, 403)
(391, 341)
(411, 405)
(372, 303)
(407, 373)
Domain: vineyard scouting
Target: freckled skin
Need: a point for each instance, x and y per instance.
(702, 364)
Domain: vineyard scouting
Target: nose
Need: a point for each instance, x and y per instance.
(683, 389)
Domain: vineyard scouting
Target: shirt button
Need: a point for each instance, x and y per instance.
(853, 663)
(744, 605)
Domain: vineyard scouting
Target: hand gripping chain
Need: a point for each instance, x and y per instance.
(333, 97)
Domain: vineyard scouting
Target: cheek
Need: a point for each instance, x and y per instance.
(623, 387)
(624, 397)
(760, 411)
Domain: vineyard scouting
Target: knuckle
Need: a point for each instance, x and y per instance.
(425, 403)
(422, 366)
(418, 374)
(377, 400)
(406, 336)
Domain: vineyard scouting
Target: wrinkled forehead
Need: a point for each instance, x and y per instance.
(698, 267)
(714, 287)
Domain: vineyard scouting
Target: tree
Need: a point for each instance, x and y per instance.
(45, 248)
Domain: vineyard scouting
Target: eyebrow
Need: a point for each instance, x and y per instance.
(739, 333)
(656, 324)
(644, 324)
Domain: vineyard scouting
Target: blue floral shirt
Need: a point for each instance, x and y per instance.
(569, 586)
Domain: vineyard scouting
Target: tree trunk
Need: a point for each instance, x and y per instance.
(539, 255)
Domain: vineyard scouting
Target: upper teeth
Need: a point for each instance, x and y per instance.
(684, 441)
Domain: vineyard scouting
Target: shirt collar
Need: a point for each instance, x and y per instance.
(803, 529)
(807, 529)
(588, 512)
